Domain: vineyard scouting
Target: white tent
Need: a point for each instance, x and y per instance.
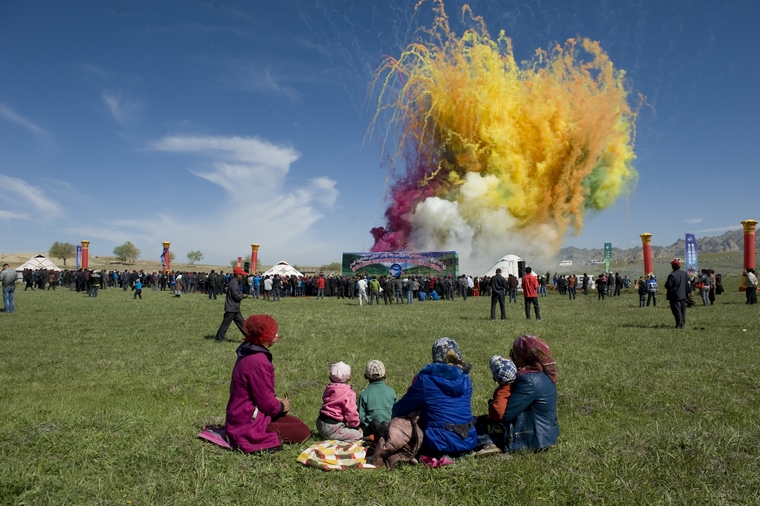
(507, 264)
(37, 262)
(283, 269)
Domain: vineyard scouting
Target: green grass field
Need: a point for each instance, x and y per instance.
(102, 400)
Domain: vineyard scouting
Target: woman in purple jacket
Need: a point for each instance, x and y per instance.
(256, 419)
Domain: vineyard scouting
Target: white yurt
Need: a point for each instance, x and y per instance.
(283, 269)
(36, 262)
(507, 264)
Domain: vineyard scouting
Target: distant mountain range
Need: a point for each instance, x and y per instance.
(730, 241)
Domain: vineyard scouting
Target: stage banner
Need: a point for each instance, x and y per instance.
(607, 256)
(692, 263)
(402, 263)
(79, 257)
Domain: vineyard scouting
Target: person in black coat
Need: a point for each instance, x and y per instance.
(499, 285)
(677, 287)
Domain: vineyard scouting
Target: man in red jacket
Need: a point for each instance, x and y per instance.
(530, 292)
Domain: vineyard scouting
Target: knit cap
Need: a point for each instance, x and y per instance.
(340, 372)
(375, 370)
(503, 369)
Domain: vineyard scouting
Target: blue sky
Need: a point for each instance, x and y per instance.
(215, 125)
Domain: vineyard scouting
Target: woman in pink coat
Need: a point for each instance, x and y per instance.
(257, 420)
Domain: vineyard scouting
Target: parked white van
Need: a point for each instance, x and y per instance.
(566, 263)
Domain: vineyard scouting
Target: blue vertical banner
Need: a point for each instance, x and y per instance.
(79, 257)
(692, 256)
(607, 256)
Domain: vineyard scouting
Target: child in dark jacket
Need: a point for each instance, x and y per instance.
(376, 401)
(338, 418)
(642, 292)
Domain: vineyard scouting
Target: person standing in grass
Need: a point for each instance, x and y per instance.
(512, 280)
(232, 305)
(601, 287)
(374, 291)
(257, 420)
(751, 281)
(677, 286)
(652, 290)
(498, 287)
(530, 293)
(361, 287)
(442, 392)
(8, 280)
(138, 289)
(642, 289)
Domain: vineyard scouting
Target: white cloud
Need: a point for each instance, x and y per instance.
(20, 194)
(15, 117)
(262, 203)
(7, 216)
(693, 220)
(260, 78)
(122, 108)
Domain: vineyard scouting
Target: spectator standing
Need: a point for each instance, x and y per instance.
(8, 280)
(530, 293)
(499, 285)
(677, 286)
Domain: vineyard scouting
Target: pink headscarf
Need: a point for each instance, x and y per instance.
(531, 355)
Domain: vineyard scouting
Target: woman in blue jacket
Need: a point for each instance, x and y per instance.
(531, 411)
(442, 391)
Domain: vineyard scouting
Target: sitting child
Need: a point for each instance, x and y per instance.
(338, 418)
(376, 401)
(504, 373)
(491, 432)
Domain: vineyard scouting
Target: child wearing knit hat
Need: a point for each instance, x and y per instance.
(491, 430)
(376, 401)
(504, 373)
(338, 418)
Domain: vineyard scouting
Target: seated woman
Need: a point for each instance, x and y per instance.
(532, 407)
(442, 391)
(256, 419)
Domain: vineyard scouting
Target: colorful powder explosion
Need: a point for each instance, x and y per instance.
(492, 148)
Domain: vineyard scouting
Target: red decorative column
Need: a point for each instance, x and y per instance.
(646, 246)
(167, 256)
(254, 257)
(86, 254)
(749, 249)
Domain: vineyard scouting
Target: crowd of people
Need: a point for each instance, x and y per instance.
(433, 418)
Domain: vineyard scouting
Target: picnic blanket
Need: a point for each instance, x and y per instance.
(333, 455)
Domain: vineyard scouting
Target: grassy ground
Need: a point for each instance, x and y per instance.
(102, 400)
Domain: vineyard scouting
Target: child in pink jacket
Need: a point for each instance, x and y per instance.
(339, 417)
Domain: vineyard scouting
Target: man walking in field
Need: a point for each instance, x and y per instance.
(677, 286)
(232, 305)
(8, 280)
